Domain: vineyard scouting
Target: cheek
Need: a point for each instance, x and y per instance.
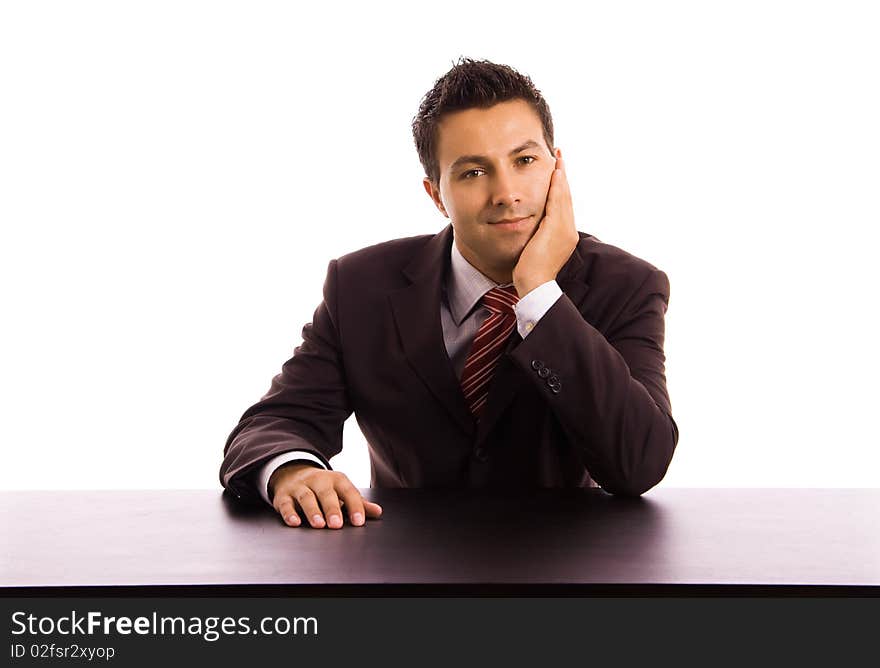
(447, 198)
(464, 206)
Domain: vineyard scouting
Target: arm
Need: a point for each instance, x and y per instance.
(612, 400)
(609, 394)
(305, 409)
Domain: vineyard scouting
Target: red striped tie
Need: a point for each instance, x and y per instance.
(488, 345)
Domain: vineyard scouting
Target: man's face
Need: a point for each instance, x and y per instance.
(494, 166)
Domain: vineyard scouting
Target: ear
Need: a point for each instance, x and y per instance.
(434, 194)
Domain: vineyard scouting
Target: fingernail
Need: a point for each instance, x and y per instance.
(357, 519)
(317, 519)
(335, 521)
(293, 519)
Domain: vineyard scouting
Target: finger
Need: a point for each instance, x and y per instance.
(330, 503)
(373, 509)
(553, 193)
(561, 177)
(564, 189)
(351, 498)
(309, 504)
(288, 512)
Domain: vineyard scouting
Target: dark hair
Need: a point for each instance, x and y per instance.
(472, 83)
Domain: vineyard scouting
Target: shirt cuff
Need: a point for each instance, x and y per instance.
(531, 308)
(284, 458)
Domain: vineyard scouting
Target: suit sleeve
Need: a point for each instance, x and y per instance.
(304, 409)
(610, 392)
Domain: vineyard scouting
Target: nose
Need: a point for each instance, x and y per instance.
(505, 191)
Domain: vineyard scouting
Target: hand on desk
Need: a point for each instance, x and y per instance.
(312, 489)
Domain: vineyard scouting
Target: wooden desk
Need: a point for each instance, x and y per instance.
(558, 542)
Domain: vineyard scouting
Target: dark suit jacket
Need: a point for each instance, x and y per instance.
(375, 347)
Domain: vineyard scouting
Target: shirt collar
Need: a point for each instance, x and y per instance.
(466, 285)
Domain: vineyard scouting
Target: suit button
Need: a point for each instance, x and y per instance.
(543, 372)
(553, 380)
(555, 389)
(481, 454)
(537, 364)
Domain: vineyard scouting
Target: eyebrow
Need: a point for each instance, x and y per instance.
(483, 160)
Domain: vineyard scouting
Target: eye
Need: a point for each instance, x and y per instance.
(530, 158)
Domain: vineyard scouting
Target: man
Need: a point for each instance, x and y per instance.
(509, 350)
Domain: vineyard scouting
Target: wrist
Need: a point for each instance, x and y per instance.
(524, 285)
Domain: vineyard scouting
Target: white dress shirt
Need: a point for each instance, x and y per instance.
(465, 287)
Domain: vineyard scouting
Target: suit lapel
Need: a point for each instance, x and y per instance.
(416, 310)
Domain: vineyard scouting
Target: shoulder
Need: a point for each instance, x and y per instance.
(377, 269)
(610, 268)
(382, 255)
(601, 256)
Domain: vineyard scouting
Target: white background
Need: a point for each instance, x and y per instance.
(175, 177)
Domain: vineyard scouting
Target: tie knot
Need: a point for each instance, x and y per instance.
(501, 300)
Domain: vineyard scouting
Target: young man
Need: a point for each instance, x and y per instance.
(509, 350)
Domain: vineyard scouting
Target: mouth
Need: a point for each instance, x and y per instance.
(511, 223)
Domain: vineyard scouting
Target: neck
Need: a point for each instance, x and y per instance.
(499, 275)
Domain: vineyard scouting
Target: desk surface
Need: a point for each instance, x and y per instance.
(577, 540)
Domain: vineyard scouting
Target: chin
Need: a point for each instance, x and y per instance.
(509, 257)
